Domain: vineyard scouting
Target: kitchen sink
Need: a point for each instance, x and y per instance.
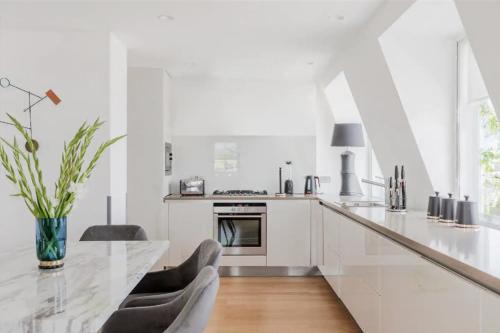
(361, 204)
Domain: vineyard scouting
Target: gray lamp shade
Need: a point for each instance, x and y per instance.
(348, 135)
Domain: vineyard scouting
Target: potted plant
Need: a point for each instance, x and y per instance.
(51, 212)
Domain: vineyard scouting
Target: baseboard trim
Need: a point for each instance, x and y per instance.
(268, 271)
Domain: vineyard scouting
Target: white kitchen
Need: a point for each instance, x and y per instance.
(321, 166)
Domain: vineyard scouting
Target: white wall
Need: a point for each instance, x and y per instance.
(481, 23)
(259, 160)
(423, 60)
(148, 104)
(273, 120)
(214, 106)
(76, 65)
(117, 127)
(327, 160)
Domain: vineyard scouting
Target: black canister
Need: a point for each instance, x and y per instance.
(447, 209)
(467, 216)
(434, 207)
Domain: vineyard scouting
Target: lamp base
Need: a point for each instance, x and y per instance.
(350, 182)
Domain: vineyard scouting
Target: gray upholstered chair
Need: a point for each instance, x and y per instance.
(117, 232)
(189, 312)
(208, 253)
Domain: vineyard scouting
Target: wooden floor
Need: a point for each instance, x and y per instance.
(278, 305)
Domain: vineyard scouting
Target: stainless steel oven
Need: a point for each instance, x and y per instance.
(241, 227)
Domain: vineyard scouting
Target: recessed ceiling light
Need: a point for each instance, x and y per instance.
(310, 63)
(166, 17)
(340, 17)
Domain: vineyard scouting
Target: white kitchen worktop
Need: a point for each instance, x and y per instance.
(80, 297)
(239, 197)
(473, 253)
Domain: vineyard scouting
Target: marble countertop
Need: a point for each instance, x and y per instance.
(79, 297)
(473, 253)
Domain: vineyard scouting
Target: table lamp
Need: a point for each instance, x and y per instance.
(348, 135)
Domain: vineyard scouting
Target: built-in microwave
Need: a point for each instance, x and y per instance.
(241, 228)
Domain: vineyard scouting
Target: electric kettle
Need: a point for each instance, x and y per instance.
(312, 185)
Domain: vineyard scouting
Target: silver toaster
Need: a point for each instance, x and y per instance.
(192, 186)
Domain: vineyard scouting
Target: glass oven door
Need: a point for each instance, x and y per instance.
(241, 234)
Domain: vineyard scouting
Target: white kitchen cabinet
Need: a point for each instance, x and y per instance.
(423, 295)
(357, 250)
(347, 278)
(316, 233)
(389, 288)
(189, 223)
(331, 268)
(490, 312)
(288, 233)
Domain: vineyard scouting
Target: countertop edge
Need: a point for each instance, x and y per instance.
(475, 275)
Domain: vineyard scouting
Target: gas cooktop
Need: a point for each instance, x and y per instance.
(239, 192)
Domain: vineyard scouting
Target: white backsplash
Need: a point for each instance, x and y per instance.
(258, 163)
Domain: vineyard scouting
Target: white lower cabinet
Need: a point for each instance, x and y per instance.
(425, 297)
(189, 223)
(316, 233)
(331, 268)
(388, 288)
(289, 230)
(288, 233)
(357, 254)
(490, 312)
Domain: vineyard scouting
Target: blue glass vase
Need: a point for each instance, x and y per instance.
(51, 242)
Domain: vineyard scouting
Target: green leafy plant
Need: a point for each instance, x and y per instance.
(27, 175)
(490, 159)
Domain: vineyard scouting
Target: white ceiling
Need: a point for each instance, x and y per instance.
(258, 39)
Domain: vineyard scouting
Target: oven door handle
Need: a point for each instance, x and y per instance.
(238, 215)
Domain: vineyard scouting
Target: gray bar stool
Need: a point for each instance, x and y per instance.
(117, 232)
(208, 253)
(167, 284)
(189, 312)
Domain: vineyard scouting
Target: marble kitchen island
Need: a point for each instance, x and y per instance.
(79, 297)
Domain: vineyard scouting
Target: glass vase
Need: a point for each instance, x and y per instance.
(51, 242)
